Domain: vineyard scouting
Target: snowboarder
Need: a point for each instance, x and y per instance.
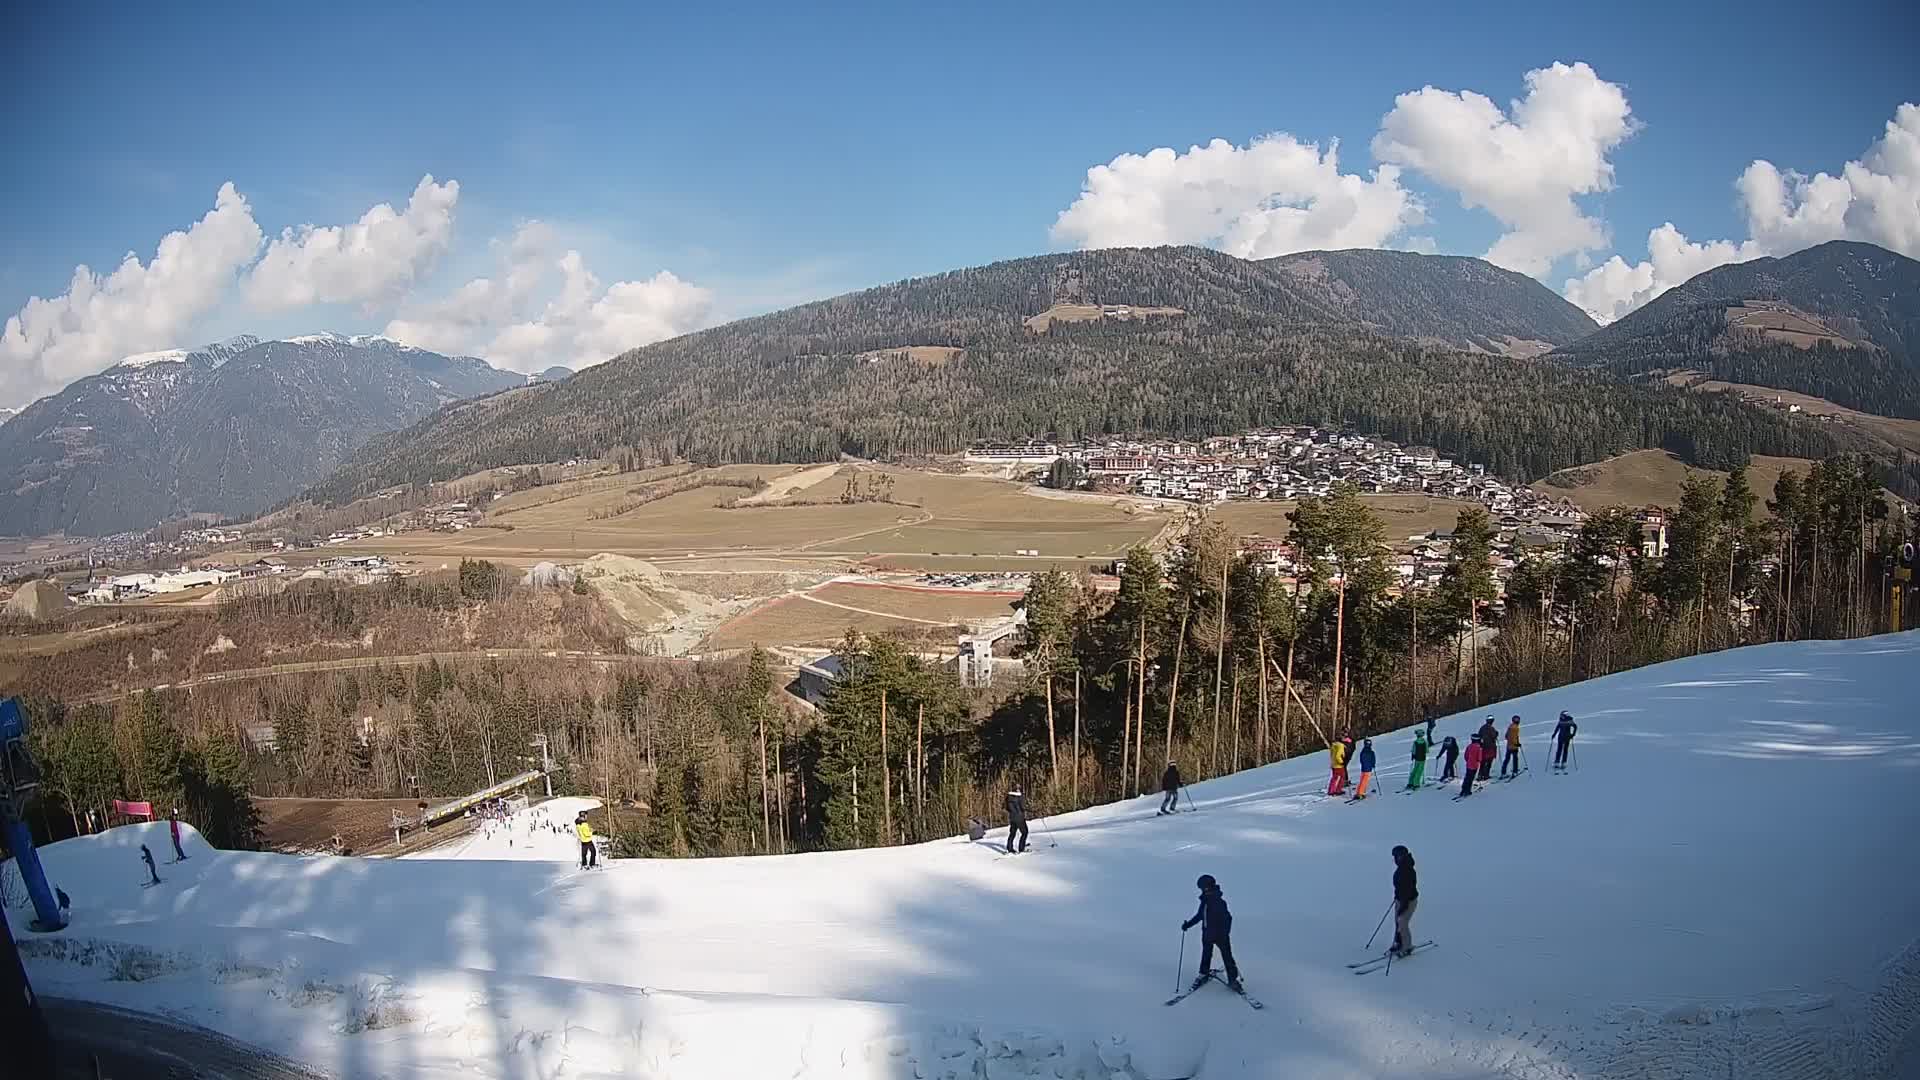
(1337, 750)
(173, 827)
(1216, 929)
(1563, 733)
(1513, 749)
(589, 857)
(1418, 776)
(1170, 789)
(1489, 737)
(1406, 897)
(1016, 819)
(1475, 758)
(1449, 756)
(146, 856)
(1367, 762)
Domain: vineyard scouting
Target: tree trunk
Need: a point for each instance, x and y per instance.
(1260, 739)
(1473, 629)
(920, 763)
(1339, 639)
(766, 811)
(1234, 765)
(1140, 706)
(1173, 695)
(1053, 752)
(1076, 737)
(781, 794)
(1126, 738)
(1219, 664)
(886, 776)
(1286, 701)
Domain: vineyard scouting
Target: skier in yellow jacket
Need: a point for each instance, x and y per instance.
(1338, 750)
(588, 856)
(1513, 749)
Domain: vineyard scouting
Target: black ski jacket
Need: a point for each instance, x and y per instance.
(1489, 737)
(1215, 920)
(1170, 780)
(1450, 749)
(1565, 730)
(1406, 884)
(1016, 808)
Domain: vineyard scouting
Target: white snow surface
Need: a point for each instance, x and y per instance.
(1725, 888)
(148, 359)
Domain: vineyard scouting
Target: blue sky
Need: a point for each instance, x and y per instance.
(765, 154)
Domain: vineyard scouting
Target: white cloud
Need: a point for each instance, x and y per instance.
(1523, 166)
(1875, 199)
(374, 259)
(52, 342)
(501, 318)
(1274, 196)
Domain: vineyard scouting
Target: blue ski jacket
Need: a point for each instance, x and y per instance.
(1367, 758)
(1215, 920)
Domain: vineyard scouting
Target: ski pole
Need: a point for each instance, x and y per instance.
(1576, 756)
(1378, 925)
(1048, 829)
(1188, 795)
(1182, 965)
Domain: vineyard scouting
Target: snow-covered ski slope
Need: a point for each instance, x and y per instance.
(1725, 888)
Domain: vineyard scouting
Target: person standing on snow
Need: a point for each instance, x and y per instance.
(1418, 776)
(1016, 819)
(1346, 762)
(1489, 737)
(1427, 718)
(1513, 749)
(1449, 756)
(589, 857)
(1563, 733)
(1406, 897)
(1474, 761)
(146, 856)
(173, 827)
(1170, 789)
(1337, 751)
(1367, 761)
(1216, 930)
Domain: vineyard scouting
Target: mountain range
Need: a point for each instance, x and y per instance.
(1839, 321)
(1180, 341)
(226, 429)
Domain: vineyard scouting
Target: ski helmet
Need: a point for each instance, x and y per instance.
(1205, 882)
(1400, 852)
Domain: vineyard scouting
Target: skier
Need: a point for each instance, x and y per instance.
(173, 827)
(1406, 897)
(1346, 763)
(1367, 762)
(147, 857)
(1489, 737)
(1337, 750)
(1016, 819)
(1170, 789)
(1449, 756)
(1419, 774)
(1563, 733)
(1475, 758)
(1427, 718)
(1216, 929)
(588, 856)
(1513, 749)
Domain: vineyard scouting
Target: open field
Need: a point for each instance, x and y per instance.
(1653, 478)
(938, 605)
(793, 620)
(1892, 432)
(930, 514)
(971, 564)
(1405, 515)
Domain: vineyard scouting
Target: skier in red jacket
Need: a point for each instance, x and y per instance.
(1474, 752)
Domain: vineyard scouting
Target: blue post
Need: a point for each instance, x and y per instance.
(21, 777)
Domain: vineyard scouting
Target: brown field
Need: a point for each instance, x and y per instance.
(984, 563)
(932, 514)
(794, 621)
(1652, 478)
(1796, 328)
(938, 605)
(1405, 515)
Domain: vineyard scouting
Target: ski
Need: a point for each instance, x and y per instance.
(1183, 995)
(1368, 967)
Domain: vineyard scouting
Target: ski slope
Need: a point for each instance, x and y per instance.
(1725, 888)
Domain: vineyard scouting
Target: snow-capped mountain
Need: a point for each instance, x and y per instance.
(8, 414)
(228, 428)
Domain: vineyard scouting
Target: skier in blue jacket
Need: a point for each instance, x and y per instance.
(1367, 761)
(1216, 929)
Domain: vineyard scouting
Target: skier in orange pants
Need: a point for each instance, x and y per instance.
(1367, 761)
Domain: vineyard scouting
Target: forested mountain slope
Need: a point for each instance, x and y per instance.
(1839, 321)
(1250, 344)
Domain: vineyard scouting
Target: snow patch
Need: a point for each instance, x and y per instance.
(141, 360)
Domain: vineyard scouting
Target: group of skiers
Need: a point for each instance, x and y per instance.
(1483, 748)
